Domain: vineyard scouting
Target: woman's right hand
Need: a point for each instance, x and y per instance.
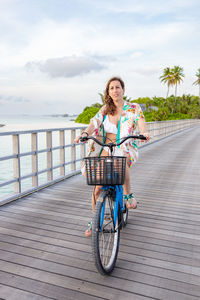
(77, 139)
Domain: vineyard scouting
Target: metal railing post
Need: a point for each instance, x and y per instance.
(62, 152)
(73, 151)
(16, 164)
(34, 147)
(49, 155)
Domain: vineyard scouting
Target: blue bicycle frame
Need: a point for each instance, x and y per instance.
(118, 202)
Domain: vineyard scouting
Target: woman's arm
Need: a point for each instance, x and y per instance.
(143, 129)
(94, 124)
(88, 131)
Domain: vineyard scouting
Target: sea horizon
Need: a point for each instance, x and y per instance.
(28, 121)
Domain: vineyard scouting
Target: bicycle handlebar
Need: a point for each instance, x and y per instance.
(86, 138)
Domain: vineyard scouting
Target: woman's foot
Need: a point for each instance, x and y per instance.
(88, 231)
(130, 201)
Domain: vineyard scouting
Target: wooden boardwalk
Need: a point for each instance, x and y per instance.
(44, 255)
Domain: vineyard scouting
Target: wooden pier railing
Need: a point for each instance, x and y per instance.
(69, 161)
(66, 161)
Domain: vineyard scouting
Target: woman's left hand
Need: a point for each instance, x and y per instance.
(147, 135)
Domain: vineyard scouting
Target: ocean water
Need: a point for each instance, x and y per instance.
(25, 122)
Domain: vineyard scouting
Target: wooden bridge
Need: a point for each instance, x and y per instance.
(44, 254)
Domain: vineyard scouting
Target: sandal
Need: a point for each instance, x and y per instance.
(130, 201)
(88, 231)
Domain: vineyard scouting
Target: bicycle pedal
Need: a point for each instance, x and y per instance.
(107, 218)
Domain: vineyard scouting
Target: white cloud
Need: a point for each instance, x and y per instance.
(68, 66)
(10, 99)
(147, 71)
(143, 7)
(131, 39)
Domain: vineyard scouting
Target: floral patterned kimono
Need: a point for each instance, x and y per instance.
(132, 112)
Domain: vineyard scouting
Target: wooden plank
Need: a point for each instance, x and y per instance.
(126, 235)
(10, 293)
(60, 225)
(62, 233)
(140, 233)
(97, 290)
(75, 237)
(88, 265)
(75, 257)
(132, 257)
(169, 222)
(14, 287)
(77, 232)
(49, 271)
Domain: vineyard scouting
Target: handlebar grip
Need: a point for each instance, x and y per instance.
(142, 137)
(83, 139)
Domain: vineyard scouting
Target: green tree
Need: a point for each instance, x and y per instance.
(197, 82)
(177, 77)
(170, 104)
(167, 77)
(87, 114)
(161, 115)
(194, 111)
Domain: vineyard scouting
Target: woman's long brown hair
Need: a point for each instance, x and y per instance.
(110, 106)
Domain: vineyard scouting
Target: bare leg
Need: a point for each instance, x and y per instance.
(97, 189)
(95, 196)
(126, 188)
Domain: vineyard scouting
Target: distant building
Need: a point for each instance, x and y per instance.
(143, 106)
(152, 107)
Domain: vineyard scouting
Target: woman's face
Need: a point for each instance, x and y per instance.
(116, 92)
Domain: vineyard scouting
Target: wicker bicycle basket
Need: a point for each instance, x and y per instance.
(105, 170)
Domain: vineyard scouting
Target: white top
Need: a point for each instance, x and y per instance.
(108, 126)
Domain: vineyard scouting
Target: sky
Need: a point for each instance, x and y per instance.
(57, 55)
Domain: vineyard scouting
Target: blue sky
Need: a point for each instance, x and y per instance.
(57, 55)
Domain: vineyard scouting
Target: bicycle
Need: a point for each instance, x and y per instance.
(111, 213)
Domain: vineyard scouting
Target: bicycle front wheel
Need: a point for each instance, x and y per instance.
(105, 235)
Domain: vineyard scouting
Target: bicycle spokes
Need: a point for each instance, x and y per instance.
(105, 237)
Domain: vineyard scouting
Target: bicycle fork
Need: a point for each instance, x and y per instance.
(117, 195)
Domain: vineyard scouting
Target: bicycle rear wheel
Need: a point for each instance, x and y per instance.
(105, 235)
(124, 214)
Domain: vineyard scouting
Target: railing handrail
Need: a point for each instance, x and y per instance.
(75, 127)
(40, 130)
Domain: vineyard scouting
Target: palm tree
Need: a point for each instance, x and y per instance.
(127, 99)
(102, 97)
(177, 77)
(167, 78)
(197, 82)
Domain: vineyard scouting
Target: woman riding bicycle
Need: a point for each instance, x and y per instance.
(116, 119)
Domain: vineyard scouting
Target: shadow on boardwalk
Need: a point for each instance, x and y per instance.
(44, 255)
